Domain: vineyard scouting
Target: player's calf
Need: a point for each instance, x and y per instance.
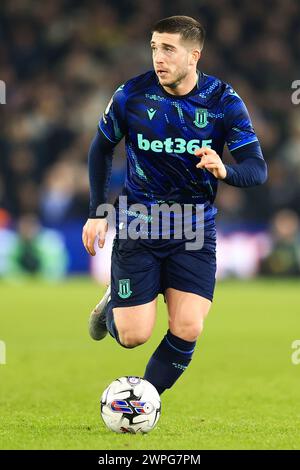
(169, 361)
(173, 355)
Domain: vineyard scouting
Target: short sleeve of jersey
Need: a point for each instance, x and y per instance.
(238, 125)
(112, 123)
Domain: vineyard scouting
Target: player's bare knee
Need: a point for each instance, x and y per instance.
(188, 332)
(191, 334)
(132, 340)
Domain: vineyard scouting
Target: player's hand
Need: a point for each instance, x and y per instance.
(211, 161)
(94, 228)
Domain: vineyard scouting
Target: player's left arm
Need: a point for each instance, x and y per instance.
(250, 168)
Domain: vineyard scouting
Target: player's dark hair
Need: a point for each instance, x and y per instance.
(189, 28)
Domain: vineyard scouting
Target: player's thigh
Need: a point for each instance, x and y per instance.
(186, 312)
(189, 278)
(135, 324)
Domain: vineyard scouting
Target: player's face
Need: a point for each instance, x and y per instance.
(173, 60)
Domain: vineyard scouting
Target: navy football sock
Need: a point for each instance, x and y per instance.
(110, 322)
(169, 361)
(111, 326)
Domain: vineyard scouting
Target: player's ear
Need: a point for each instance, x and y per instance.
(195, 56)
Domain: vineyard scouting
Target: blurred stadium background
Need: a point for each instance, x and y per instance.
(61, 61)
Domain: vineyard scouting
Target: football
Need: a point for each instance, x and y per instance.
(130, 405)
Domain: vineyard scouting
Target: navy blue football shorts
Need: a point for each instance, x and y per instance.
(143, 268)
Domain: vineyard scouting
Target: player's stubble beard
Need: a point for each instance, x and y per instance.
(173, 85)
(178, 79)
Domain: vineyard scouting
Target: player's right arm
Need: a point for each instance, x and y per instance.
(110, 131)
(94, 228)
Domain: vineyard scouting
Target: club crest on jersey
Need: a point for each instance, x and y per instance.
(201, 118)
(124, 288)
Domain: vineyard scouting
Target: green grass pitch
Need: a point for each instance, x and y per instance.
(241, 390)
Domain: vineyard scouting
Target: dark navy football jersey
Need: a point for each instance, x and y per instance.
(162, 132)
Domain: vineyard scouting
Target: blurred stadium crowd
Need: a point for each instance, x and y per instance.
(61, 60)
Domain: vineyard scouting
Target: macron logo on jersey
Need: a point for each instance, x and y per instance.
(151, 113)
(169, 145)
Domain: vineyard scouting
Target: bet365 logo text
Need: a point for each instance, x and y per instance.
(296, 354)
(2, 353)
(171, 145)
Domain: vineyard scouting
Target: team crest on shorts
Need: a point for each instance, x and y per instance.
(201, 118)
(124, 288)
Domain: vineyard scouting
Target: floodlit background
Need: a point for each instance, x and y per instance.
(61, 61)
